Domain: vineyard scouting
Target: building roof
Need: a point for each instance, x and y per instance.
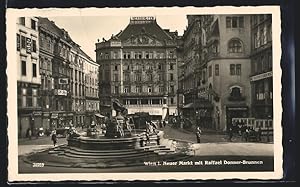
(53, 28)
(149, 27)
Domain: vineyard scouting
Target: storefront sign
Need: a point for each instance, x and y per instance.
(151, 111)
(54, 115)
(261, 76)
(237, 108)
(18, 42)
(28, 45)
(142, 18)
(37, 113)
(63, 81)
(60, 92)
(115, 44)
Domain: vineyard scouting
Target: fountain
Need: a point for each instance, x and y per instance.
(121, 145)
(118, 136)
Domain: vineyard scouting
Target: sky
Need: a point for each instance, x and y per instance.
(86, 30)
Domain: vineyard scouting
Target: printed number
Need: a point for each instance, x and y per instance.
(37, 165)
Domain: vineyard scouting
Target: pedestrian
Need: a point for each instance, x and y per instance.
(164, 123)
(29, 133)
(198, 134)
(230, 133)
(36, 133)
(54, 138)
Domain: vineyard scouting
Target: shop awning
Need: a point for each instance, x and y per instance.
(99, 115)
(198, 105)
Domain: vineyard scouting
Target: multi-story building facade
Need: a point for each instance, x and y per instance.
(228, 68)
(46, 46)
(57, 43)
(193, 71)
(91, 71)
(261, 67)
(28, 76)
(139, 67)
(77, 85)
(221, 72)
(63, 77)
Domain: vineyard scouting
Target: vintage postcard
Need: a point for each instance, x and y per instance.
(144, 93)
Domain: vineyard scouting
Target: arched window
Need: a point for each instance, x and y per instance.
(236, 92)
(235, 46)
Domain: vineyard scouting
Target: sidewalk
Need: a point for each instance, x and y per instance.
(232, 149)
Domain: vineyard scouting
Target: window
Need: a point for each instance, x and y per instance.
(159, 66)
(254, 20)
(116, 67)
(150, 78)
(116, 77)
(171, 66)
(161, 89)
(270, 61)
(33, 24)
(144, 101)
(23, 68)
(33, 46)
(138, 89)
(232, 69)
(126, 89)
(217, 69)
(235, 22)
(23, 42)
(34, 70)
(160, 77)
(235, 69)
(209, 71)
(22, 21)
(116, 89)
(171, 77)
(235, 46)
(127, 77)
(75, 75)
(235, 92)
(149, 89)
(138, 77)
(172, 89)
(238, 69)
(172, 100)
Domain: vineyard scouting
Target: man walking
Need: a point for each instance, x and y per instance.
(198, 134)
(54, 138)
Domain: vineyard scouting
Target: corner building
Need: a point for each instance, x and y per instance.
(228, 68)
(139, 67)
(28, 76)
(216, 69)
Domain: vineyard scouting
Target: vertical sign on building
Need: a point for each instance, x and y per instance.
(28, 45)
(18, 42)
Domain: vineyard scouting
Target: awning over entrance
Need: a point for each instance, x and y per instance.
(198, 105)
(99, 115)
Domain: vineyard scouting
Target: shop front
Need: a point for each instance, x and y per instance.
(236, 112)
(199, 112)
(64, 119)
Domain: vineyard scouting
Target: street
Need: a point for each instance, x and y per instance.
(184, 135)
(212, 147)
